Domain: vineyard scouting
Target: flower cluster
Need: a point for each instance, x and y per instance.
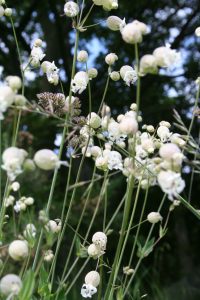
(153, 156)
(9, 94)
(95, 250)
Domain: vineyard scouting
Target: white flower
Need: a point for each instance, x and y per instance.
(197, 32)
(167, 151)
(131, 33)
(94, 251)
(114, 133)
(92, 280)
(19, 206)
(128, 125)
(71, 9)
(10, 284)
(148, 64)
(15, 186)
(101, 163)
(53, 226)
(166, 57)
(115, 23)
(51, 71)
(80, 82)
(7, 98)
(141, 26)
(48, 256)
(36, 56)
(111, 58)
(96, 151)
(88, 290)
(18, 250)
(13, 159)
(171, 183)
(154, 217)
(14, 82)
(46, 159)
(114, 160)
(128, 74)
(99, 239)
(30, 231)
(9, 201)
(163, 133)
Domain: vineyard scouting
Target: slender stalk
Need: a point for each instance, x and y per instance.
(104, 94)
(59, 155)
(142, 257)
(125, 240)
(138, 230)
(129, 192)
(189, 207)
(139, 79)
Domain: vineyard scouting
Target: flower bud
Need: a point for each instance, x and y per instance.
(18, 250)
(92, 278)
(92, 73)
(8, 12)
(20, 100)
(10, 284)
(29, 165)
(111, 59)
(82, 56)
(14, 82)
(94, 120)
(71, 9)
(115, 23)
(148, 64)
(197, 32)
(131, 34)
(154, 217)
(115, 76)
(38, 43)
(93, 251)
(46, 159)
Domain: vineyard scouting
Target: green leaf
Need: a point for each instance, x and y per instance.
(120, 294)
(28, 286)
(144, 251)
(162, 232)
(44, 288)
(80, 250)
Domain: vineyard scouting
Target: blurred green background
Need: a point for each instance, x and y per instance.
(172, 270)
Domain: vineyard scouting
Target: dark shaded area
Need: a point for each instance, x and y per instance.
(173, 269)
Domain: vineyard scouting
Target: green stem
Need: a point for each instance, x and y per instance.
(139, 80)
(125, 240)
(59, 155)
(130, 187)
(104, 94)
(189, 206)
(142, 257)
